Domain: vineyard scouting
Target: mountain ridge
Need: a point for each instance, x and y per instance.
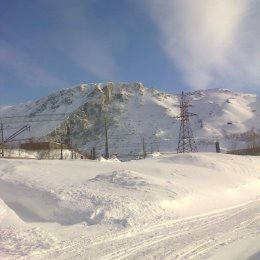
(137, 116)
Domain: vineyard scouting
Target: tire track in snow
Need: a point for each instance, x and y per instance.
(218, 241)
(185, 238)
(83, 241)
(203, 246)
(223, 238)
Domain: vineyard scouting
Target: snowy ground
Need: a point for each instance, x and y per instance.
(189, 206)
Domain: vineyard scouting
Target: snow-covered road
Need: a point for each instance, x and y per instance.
(188, 238)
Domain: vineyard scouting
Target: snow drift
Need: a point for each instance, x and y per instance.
(44, 200)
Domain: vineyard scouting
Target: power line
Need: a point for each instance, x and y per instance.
(33, 118)
(21, 130)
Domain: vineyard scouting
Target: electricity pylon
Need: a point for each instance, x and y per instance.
(186, 142)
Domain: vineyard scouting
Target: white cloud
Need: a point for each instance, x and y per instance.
(213, 42)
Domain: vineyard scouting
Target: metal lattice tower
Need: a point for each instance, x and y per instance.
(186, 141)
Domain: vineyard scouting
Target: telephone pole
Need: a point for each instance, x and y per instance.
(2, 139)
(186, 142)
(61, 151)
(106, 136)
(144, 149)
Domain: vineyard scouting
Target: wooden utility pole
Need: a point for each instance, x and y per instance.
(217, 147)
(93, 153)
(144, 149)
(2, 139)
(106, 136)
(61, 151)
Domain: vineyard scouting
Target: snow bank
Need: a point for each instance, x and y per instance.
(173, 185)
(19, 239)
(134, 194)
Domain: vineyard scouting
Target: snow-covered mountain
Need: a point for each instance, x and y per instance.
(135, 117)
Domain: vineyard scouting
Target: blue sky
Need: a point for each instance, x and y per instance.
(171, 45)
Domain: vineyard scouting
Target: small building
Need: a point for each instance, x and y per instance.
(51, 150)
(247, 151)
(35, 146)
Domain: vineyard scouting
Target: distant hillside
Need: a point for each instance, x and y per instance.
(136, 117)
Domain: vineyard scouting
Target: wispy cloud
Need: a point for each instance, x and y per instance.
(213, 42)
(82, 39)
(90, 54)
(20, 65)
(72, 33)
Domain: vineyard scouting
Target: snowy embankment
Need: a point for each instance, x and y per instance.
(165, 207)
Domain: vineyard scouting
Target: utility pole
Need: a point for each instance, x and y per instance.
(61, 151)
(106, 136)
(217, 147)
(68, 134)
(144, 149)
(93, 153)
(186, 141)
(2, 139)
(11, 137)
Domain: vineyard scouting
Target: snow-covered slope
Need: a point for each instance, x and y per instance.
(176, 206)
(135, 116)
